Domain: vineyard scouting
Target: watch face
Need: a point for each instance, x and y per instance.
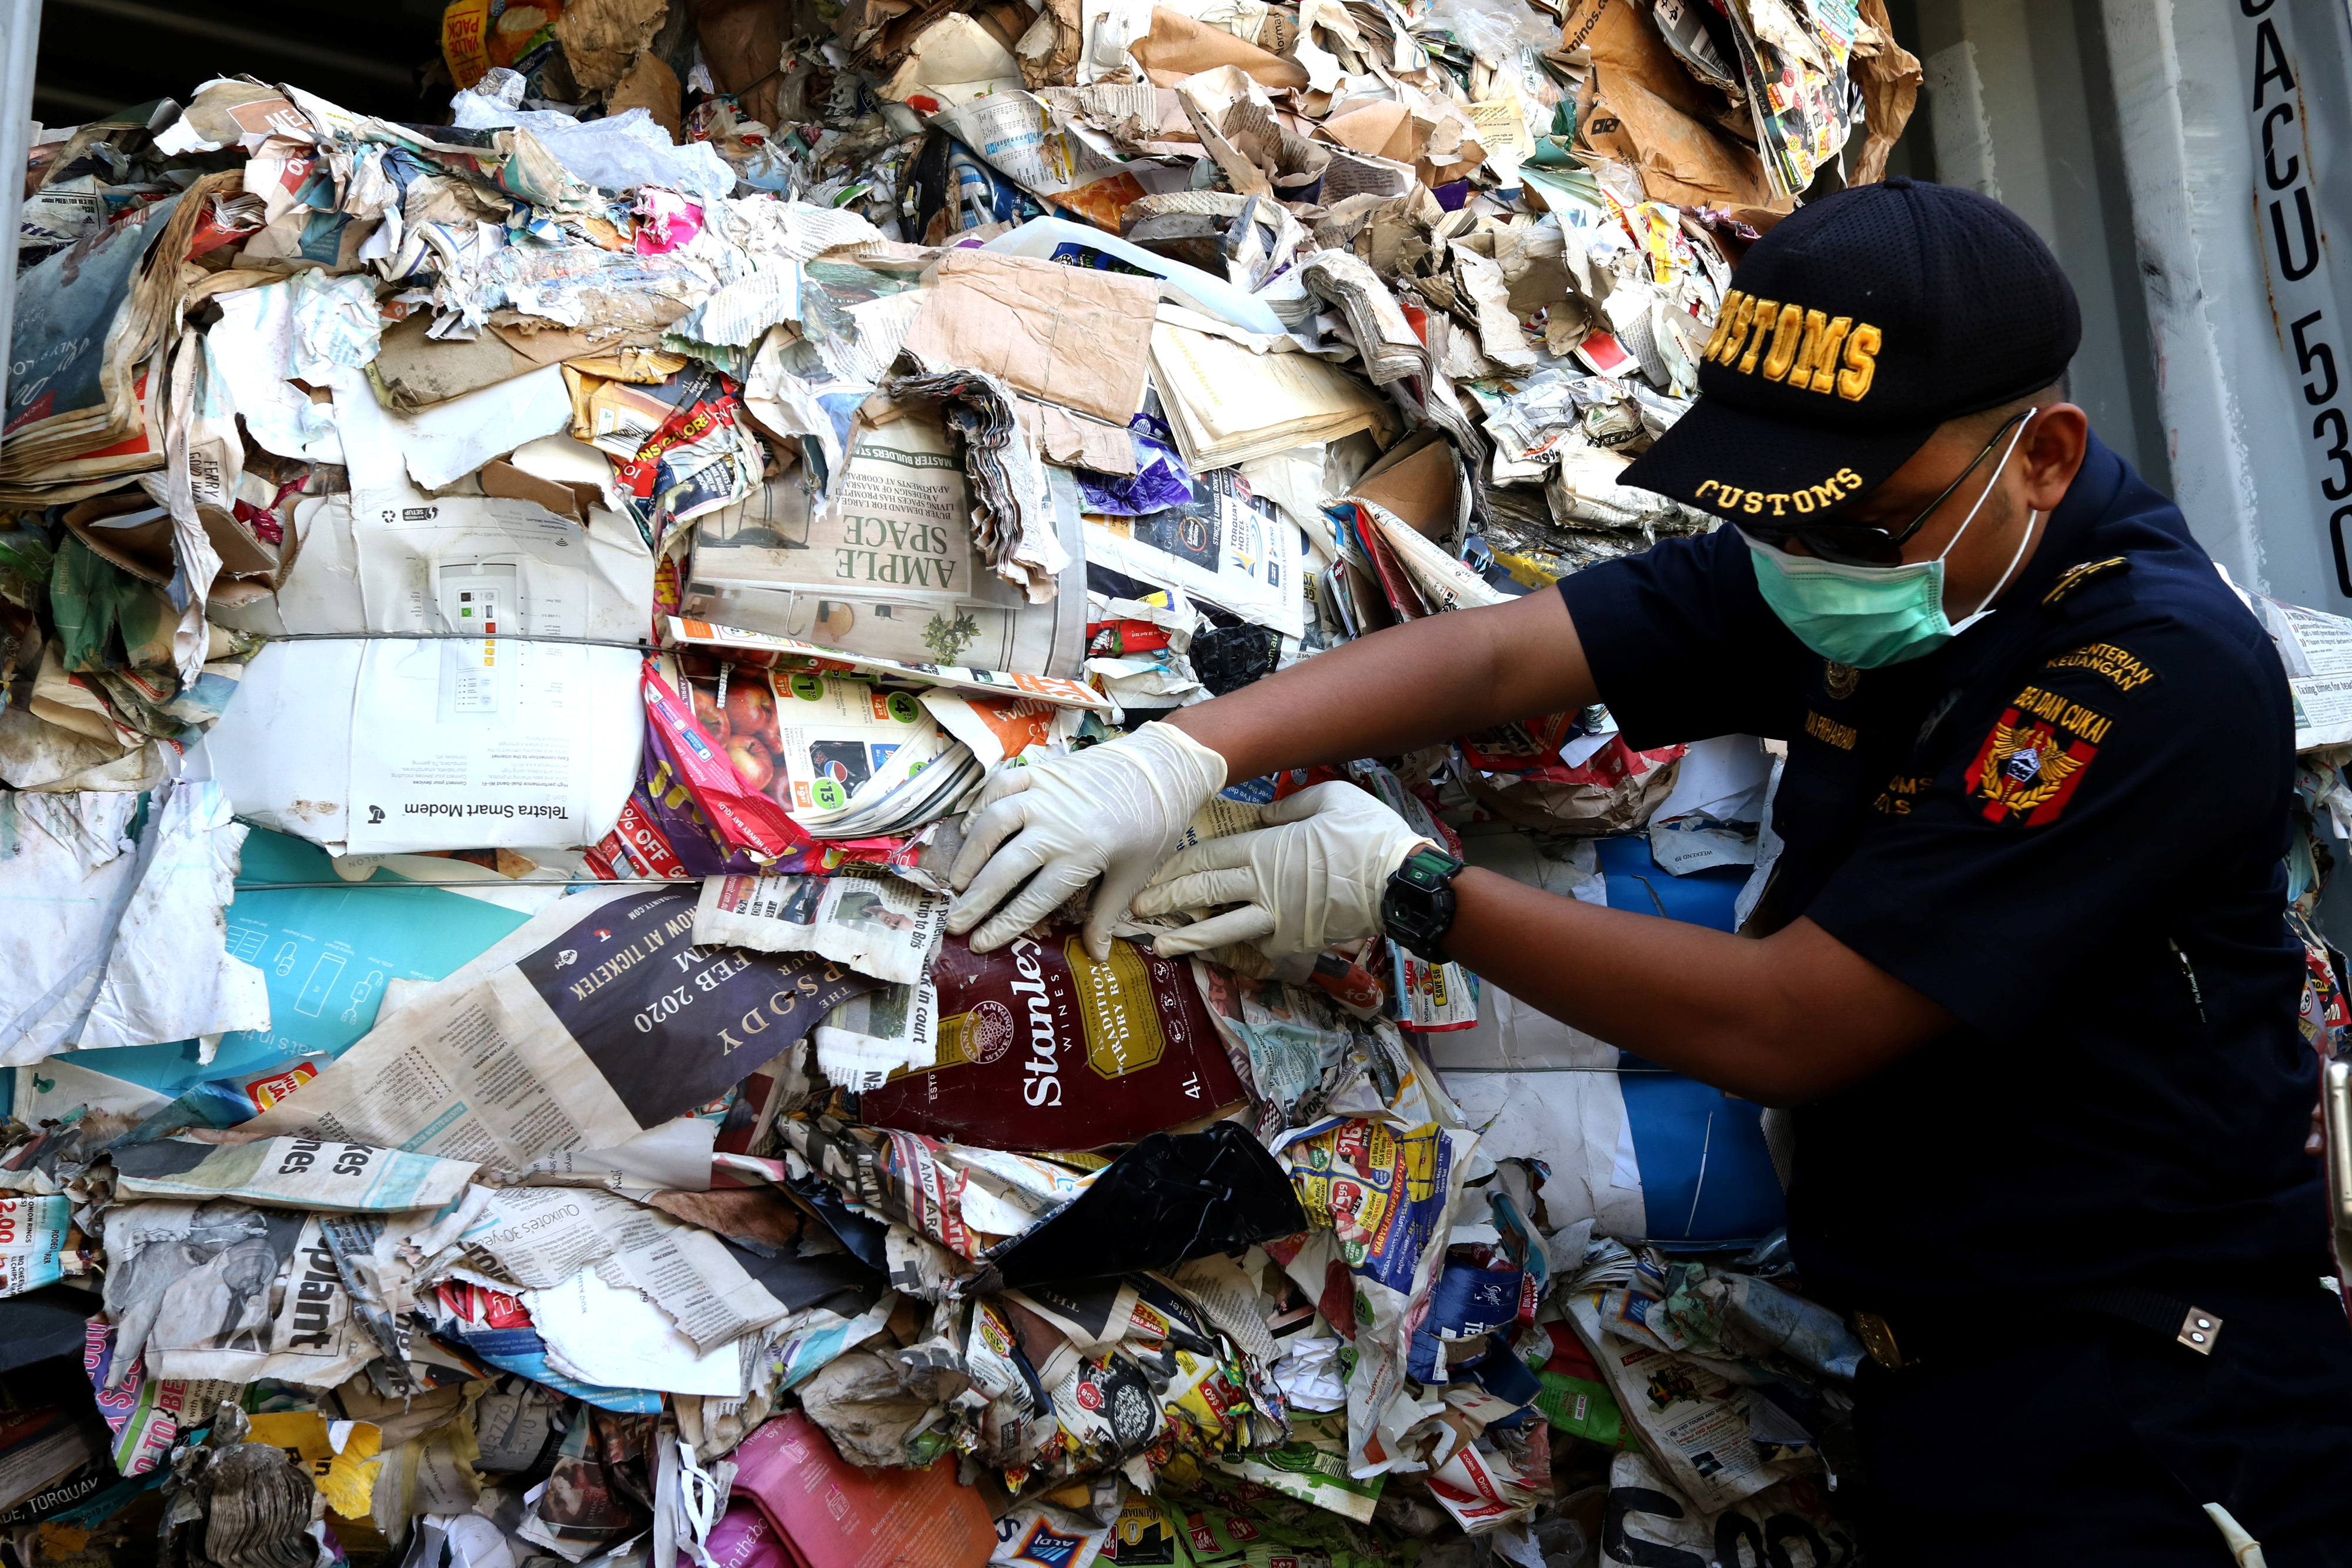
(1427, 868)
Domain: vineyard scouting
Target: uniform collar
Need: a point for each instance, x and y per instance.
(2066, 538)
(2067, 542)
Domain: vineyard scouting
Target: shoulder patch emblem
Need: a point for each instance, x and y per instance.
(2081, 572)
(2120, 665)
(2034, 757)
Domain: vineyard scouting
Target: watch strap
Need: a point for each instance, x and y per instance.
(1417, 908)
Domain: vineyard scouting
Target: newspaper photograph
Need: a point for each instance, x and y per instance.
(222, 1289)
(1075, 166)
(1226, 545)
(595, 1022)
(879, 925)
(585, 1508)
(867, 1039)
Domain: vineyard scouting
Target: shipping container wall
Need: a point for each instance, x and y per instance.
(2189, 162)
(2185, 159)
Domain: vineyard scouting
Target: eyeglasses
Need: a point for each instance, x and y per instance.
(1861, 544)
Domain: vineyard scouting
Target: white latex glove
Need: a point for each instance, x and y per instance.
(1315, 879)
(1112, 811)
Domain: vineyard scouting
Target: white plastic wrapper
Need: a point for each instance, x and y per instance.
(617, 152)
(118, 946)
(68, 857)
(168, 976)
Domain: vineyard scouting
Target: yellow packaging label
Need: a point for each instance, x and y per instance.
(476, 34)
(464, 30)
(346, 1479)
(1115, 1001)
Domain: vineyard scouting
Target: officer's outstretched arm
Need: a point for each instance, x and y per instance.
(1401, 689)
(1109, 815)
(1782, 1020)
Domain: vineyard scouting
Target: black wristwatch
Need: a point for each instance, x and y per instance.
(1417, 910)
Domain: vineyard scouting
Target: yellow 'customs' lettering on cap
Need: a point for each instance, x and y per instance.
(1729, 499)
(1824, 355)
(1861, 363)
(1799, 370)
(1766, 314)
(1795, 345)
(1786, 336)
(1722, 320)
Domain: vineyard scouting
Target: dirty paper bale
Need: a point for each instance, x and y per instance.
(514, 606)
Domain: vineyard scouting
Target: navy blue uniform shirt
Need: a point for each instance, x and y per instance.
(2067, 827)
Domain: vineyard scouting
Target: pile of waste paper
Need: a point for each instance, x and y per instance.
(502, 617)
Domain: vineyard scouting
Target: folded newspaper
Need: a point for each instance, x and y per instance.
(596, 1021)
(876, 924)
(887, 565)
(2317, 648)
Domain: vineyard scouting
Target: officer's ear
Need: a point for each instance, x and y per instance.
(2056, 441)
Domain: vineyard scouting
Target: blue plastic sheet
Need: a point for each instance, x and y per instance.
(1706, 1175)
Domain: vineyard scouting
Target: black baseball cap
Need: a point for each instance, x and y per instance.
(1851, 329)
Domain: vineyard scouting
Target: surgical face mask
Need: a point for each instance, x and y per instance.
(1871, 616)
